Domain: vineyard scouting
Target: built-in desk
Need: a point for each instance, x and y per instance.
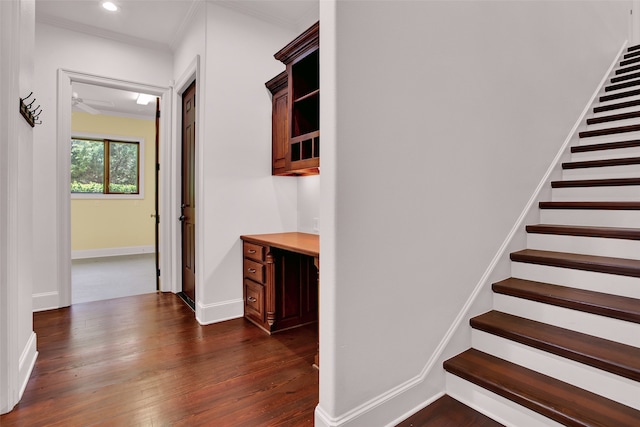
(280, 278)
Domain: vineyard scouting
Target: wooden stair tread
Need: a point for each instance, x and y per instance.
(562, 402)
(614, 117)
(614, 96)
(631, 54)
(615, 182)
(622, 78)
(618, 105)
(591, 205)
(605, 146)
(610, 356)
(632, 48)
(622, 85)
(610, 131)
(624, 70)
(601, 264)
(586, 231)
(614, 306)
(629, 61)
(448, 412)
(602, 163)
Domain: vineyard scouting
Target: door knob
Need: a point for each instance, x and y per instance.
(181, 218)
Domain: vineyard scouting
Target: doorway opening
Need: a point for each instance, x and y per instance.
(121, 187)
(113, 193)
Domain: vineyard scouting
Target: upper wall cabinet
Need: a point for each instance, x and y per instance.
(296, 134)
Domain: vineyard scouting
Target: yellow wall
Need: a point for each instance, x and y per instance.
(108, 223)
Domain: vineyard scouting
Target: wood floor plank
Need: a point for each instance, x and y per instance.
(448, 412)
(144, 360)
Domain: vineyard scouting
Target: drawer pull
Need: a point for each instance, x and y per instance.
(251, 251)
(252, 299)
(251, 270)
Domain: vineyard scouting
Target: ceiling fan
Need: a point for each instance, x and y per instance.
(78, 102)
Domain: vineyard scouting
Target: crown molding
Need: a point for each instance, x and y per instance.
(196, 8)
(99, 32)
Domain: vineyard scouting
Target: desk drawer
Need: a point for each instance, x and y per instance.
(254, 300)
(253, 251)
(253, 270)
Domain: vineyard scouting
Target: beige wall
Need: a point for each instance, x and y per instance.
(109, 223)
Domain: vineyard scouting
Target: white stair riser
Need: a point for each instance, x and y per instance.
(494, 406)
(615, 101)
(613, 112)
(618, 153)
(592, 217)
(587, 323)
(596, 194)
(619, 248)
(602, 139)
(603, 383)
(606, 172)
(617, 91)
(614, 123)
(614, 284)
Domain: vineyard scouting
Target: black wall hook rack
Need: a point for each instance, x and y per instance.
(30, 114)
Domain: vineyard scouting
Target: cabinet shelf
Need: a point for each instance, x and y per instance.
(315, 93)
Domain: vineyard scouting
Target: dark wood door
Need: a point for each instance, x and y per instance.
(157, 195)
(188, 205)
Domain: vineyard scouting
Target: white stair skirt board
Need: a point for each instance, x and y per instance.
(603, 383)
(615, 137)
(614, 284)
(618, 153)
(619, 248)
(107, 252)
(605, 172)
(494, 406)
(592, 217)
(587, 323)
(628, 193)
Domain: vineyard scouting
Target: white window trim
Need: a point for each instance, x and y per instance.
(117, 138)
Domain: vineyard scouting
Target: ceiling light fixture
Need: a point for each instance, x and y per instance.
(110, 6)
(144, 99)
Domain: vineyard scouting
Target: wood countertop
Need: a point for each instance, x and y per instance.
(303, 243)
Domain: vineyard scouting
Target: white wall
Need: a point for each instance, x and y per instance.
(239, 194)
(60, 48)
(17, 339)
(447, 115)
(309, 203)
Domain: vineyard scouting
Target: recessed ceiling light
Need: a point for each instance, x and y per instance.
(110, 6)
(144, 99)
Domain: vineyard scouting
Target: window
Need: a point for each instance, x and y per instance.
(105, 166)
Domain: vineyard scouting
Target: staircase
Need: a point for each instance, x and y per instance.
(562, 343)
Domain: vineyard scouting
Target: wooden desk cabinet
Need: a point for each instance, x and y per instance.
(280, 278)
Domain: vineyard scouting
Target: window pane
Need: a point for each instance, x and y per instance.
(87, 166)
(123, 167)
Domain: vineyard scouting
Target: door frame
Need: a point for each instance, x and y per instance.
(63, 162)
(191, 74)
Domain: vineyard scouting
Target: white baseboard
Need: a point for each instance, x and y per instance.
(46, 301)
(207, 314)
(27, 362)
(107, 252)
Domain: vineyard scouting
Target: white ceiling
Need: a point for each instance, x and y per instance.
(156, 24)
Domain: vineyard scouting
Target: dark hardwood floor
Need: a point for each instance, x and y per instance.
(144, 360)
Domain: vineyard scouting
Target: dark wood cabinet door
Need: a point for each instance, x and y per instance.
(280, 129)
